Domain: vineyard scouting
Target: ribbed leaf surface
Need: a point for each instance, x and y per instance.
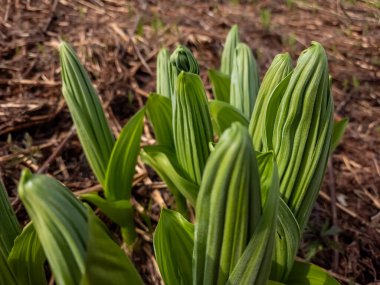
(281, 66)
(92, 128)
(245, 81)
(164, 74)
(232, 41)
(192, 129)
(228, 207)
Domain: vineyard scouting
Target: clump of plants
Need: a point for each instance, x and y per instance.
(249, 164)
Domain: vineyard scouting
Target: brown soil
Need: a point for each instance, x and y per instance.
(118, 43)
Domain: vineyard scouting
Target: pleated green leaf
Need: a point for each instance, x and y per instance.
(164, 74)
(27, 258)
(183, 60)
(122, 163)
(281, 66)
(220, 83)
(86, 111)
(305, 273)
(232, 41)
(164, 162)
(302, 132)
(7, 276)
(192, 128)
(338, 132)
(9, 226)
(245, 81)
(223, 115)
(159, 111)
(106, 263)
(73, 239)
(255, 264)
(173, 243)
(228, 207)
(287, 243)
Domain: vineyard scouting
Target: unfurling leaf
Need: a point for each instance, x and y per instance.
(338, 132)
(232, 41)
(164, 75)
(281, 66)
(245, 81)
(192, 128)
(183, 60)
(228, 207)
(92, 128)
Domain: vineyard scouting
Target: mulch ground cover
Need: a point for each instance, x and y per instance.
(118, 42)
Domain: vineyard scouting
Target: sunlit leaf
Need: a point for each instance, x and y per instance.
(164, 76)
(232, 41)
(304, 273)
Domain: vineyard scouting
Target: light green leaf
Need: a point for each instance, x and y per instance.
(228, 207)
(280, 67)
(164, 76)
(9, 226)
(228, 51)
(245, 81)
(27, 258)
(159, 111)
(221, 84)
(163, 161)
(173, 243)
(106, 263)
(304, 273)
(223, 115)
(92, 128)
(338, 132)
(192, 128)
(122, 163)
(255, 264)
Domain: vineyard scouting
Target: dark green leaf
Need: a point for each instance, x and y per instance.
(338, 132)
(27, 258)
(9, 226)
(173, 246)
